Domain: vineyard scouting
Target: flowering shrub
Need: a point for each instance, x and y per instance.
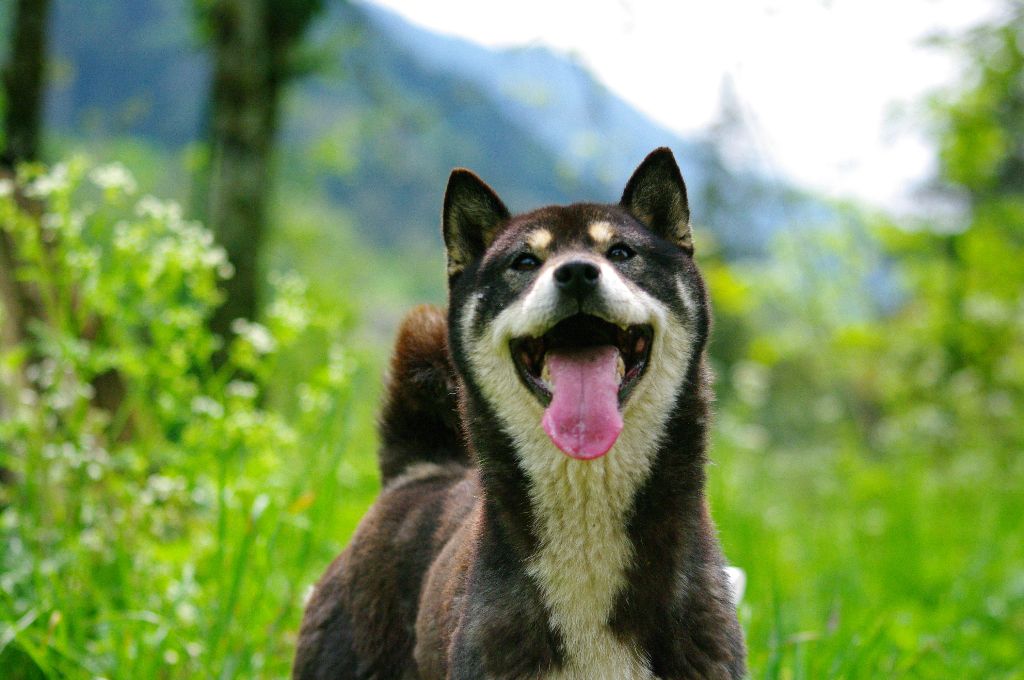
(150, 486)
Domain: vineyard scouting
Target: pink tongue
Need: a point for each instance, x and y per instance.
(583, 418)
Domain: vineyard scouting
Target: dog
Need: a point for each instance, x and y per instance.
(543, 446)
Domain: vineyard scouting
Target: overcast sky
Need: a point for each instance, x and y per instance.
(819, 80)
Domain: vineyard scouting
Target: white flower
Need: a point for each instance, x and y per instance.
(225, 269)
(338, 365)
(114, 177)
(206, 406)
(737, 583)
(163, 487)
(150, 206)
(751, 382)
(44, 185)
(255, 334)
(241, 388)
(6, 187)
(187, 613)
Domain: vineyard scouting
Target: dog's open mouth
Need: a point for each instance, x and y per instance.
(582, 370)
(577, 334)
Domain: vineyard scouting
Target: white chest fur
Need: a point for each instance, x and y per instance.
(584, 552)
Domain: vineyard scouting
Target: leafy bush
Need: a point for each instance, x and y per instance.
(899, 340)
(162, 520)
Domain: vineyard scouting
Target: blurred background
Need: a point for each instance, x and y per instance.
(213, 214)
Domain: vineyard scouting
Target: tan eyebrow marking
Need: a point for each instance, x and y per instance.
(601, 233)
(539, 240)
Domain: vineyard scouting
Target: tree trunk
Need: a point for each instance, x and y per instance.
(23, 78)
(243, 115)
(23, 81)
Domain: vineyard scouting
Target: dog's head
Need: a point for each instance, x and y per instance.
(583, 321)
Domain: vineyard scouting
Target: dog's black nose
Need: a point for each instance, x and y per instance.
(577, 278)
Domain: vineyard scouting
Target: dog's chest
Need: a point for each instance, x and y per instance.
(580, 567)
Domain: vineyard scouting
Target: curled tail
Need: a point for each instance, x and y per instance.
(419, 422)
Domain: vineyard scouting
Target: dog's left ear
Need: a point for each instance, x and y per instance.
(470, 220)
(656, 195)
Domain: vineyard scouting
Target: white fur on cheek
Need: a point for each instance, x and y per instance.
(686, 296)
(580, 506)
(532, 314)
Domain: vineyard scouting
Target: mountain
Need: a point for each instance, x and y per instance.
(553, 96)
(602, 138)
(393, 108)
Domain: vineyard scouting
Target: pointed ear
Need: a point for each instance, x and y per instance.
(656, 195)
(472, 214)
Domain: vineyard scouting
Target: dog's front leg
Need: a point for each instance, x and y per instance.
(502, 632)
(499, 659)
(465, 658)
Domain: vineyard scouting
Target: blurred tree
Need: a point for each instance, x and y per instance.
(23, 94)
(23, 81)
(981, 158)
(257, 49)
(982, 127)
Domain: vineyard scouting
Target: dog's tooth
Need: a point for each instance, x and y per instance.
(545, 372)
(620, 367)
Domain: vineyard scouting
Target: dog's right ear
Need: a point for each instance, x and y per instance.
(471, 217)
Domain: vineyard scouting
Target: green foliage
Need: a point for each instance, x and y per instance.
(861, 566)
(980, 129)
(139, 533)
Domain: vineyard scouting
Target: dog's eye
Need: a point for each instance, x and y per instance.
(526, 262)
(620, 252)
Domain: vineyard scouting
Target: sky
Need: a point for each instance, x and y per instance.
(827, 88)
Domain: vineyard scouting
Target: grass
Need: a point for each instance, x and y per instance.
(862, 566)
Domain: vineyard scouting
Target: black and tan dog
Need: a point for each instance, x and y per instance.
(543, 455)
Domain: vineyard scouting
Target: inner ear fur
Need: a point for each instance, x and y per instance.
(656, 195)
(470, 220)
